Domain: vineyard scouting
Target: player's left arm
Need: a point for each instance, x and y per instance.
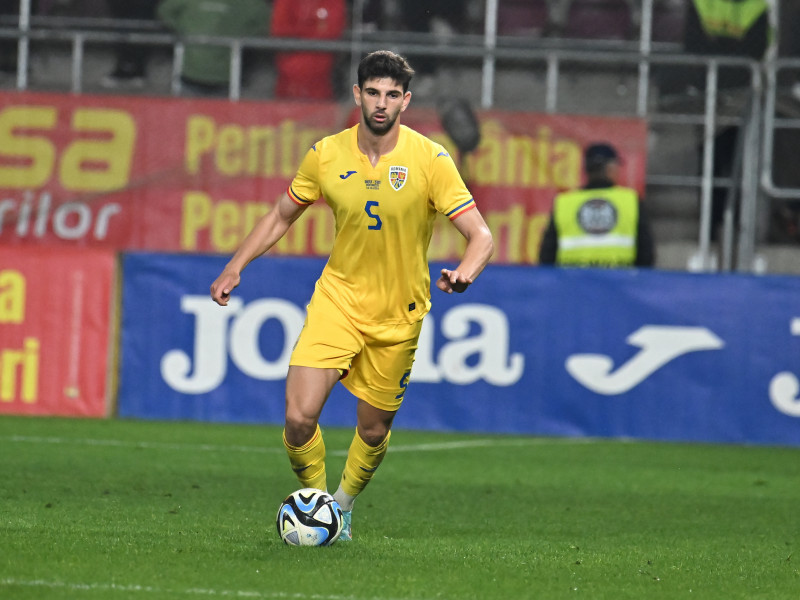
(479, 250)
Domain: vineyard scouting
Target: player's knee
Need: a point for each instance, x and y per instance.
(300, 427)
(374, 435)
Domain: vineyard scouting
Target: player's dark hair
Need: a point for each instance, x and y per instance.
(384, 63)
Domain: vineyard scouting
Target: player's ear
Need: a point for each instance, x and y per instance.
(406, 100)
(357, 94)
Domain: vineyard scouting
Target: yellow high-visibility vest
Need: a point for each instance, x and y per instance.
(597, 227)
(724, 18)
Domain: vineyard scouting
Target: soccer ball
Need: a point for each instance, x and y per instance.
(309, 517)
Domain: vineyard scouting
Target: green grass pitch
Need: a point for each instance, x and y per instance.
(122, 510)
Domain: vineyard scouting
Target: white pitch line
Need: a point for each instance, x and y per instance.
(139, 445)
(481, 443)
(147, 589)
(430, 447)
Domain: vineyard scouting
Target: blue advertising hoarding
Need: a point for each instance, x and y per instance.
(544, 351)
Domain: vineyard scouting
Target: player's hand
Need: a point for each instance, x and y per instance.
(223, 286)
(453, 281)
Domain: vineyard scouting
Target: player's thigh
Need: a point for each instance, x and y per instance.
(307, 390)
(329, 339)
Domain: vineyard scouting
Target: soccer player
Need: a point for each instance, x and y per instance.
(385, 183)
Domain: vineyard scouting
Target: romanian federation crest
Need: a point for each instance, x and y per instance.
(398, 177)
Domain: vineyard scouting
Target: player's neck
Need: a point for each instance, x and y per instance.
(375, 146)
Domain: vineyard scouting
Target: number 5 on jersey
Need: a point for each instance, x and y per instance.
(368, 209)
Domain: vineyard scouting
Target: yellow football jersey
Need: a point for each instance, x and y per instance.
(378, 268)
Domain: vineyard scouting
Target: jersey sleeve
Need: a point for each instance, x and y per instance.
(449, 193)
(305, 188)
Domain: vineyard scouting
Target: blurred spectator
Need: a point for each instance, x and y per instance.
(601, 225)
(206, 67)
(307, 74)
(728, 28)
(130, 59)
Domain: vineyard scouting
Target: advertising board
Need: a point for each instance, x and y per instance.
(178, 175)
(544, 351)
(56, 325)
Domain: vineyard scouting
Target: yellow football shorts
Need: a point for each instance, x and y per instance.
(376, 359)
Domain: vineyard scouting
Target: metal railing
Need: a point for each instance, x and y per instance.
(773, 122)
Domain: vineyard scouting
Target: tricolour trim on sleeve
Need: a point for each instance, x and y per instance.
(461, 209)
(297, 199)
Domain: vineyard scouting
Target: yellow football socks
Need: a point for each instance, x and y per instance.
(308, 461)
(362, 462)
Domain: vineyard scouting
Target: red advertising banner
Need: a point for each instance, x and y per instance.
(189, 175)
(55, 327)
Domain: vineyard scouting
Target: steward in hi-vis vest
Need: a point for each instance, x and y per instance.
(727, 27)
(600, 225)
(730, 18)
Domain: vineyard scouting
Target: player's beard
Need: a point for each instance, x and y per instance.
(376, 127)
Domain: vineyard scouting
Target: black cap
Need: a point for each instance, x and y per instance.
(599, 155)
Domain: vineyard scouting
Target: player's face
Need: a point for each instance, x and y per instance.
(381, 101)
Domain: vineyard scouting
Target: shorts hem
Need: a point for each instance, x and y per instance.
(370, 399)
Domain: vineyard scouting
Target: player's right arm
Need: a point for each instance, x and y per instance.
(266, 233)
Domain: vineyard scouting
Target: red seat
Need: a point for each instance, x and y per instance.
(521, 17)
(599, 20)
